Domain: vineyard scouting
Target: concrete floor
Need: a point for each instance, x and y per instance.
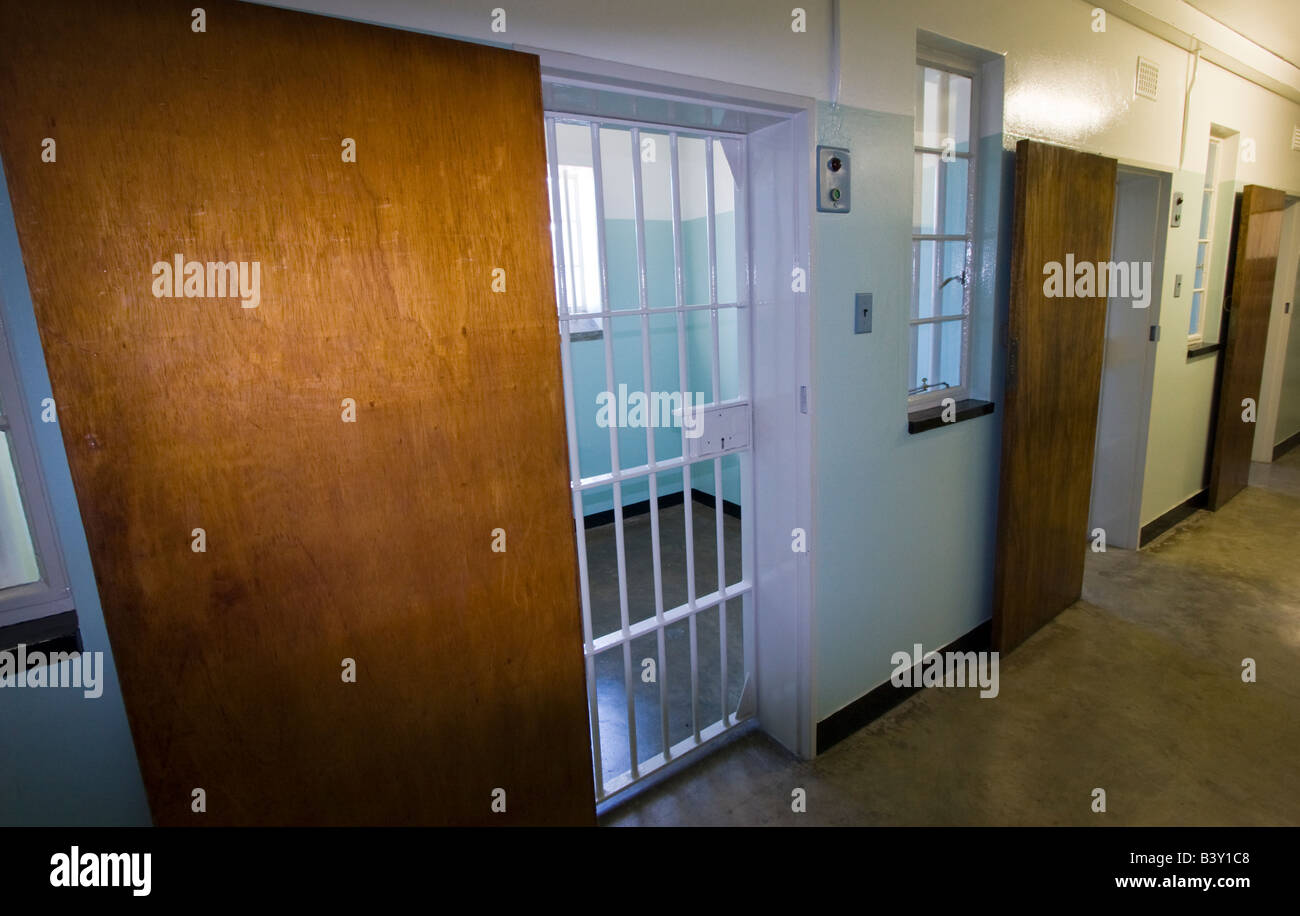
(611, 694)
(1136, 689)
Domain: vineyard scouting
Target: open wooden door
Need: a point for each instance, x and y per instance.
(1063, 214)
(372, 441)
(1245, 336)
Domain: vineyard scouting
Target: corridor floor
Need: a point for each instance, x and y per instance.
(1136, 689)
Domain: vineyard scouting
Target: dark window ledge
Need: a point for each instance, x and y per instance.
(1203, 349)
(932, 417)
(57, 633)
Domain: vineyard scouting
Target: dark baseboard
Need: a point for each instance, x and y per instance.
(1285, 446)
(596, 519)
(707, 499)
(866, 709)
(1152, 530)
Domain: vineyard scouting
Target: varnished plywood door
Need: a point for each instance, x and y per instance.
(1259, 235)
(415, 282)
(1063, 213)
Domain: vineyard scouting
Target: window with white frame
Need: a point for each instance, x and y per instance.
(33, 582)
(1204, 244)
(943, 216)
(581, 254)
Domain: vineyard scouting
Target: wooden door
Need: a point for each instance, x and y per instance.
(430, 540)
(1244, 336)
(1063, 212)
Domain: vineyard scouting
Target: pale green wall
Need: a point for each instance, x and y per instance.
(588, 356)
(905, 524)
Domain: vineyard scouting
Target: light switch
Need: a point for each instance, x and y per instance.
(1176, 219)
(1178, 285)
(862, 313)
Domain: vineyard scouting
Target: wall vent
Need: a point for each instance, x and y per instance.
(1148, 74)
(1295, 138)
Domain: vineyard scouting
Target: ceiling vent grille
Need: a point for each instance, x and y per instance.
(1148, 74)
(1295, 138)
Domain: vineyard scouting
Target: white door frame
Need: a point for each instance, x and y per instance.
(1279, 331)
(1130, 533)
(777, 211)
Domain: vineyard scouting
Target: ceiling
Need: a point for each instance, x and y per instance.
(1271, 24)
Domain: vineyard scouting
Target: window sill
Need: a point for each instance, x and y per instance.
(932, 417)
(1202, 349)
(57, 633)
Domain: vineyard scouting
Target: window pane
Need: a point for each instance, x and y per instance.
(1207, 207)
(695, 247)
(1211, 164)
(657, 204)
(939, 195)
(937, 348)
(724, 220)
(1201, 250)
(942, 109)
(950, 341)
(576, 197)
(938, 278)
(17, 554)
(620, 226)
(1195, 326)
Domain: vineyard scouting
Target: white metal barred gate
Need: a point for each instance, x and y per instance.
(679, 195)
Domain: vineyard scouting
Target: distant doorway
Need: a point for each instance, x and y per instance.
(1124, 408)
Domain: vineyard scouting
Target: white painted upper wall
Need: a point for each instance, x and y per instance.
(1065, 83)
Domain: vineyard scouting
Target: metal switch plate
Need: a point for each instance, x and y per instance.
(833, 182)
(717, 429)
(862, 313)
(1177, 219)
(1178, 285)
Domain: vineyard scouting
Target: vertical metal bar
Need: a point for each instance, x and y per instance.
(575, 471)
(598, 175)
(679, 286)
(710, 223)
(745, 321)
(638, 206)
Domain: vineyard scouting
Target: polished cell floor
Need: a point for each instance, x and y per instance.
(675, 676)
(1136, 689)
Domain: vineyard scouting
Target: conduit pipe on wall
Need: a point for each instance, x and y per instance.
(835, 52)
(1187, 101)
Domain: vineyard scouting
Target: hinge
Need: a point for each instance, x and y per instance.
(1154, 334)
